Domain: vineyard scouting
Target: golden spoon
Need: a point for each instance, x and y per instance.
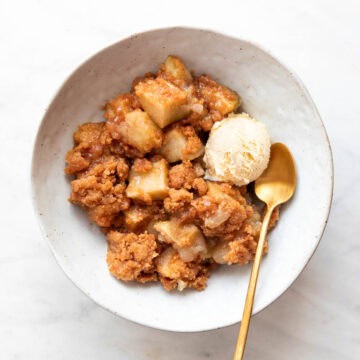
(274, 187)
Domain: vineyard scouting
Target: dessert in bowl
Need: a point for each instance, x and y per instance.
(171, 213)
(269, 92)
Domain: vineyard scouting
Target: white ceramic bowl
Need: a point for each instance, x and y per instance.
(270, 92)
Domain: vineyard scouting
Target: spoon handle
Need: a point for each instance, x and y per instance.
(245, 322)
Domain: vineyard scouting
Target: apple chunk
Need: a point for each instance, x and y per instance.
(187, 239)
(181, 143)
(175, 69)
(217, 97)
(137, 130)
(162, 100)
(136, 216)
(149, 185)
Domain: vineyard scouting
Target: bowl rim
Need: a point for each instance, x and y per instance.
(174, 28)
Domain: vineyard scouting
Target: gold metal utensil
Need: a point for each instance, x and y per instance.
(274, 187)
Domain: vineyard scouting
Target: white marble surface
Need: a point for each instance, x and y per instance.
(42, 314)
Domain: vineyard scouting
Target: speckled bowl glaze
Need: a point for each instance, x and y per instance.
(270, 92)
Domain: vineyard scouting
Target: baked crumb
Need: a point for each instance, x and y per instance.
(122, 169)
(177, 200)
(216, 96)
(142, 165)
(138, 216)
(115, 110)
(193, 144)
(220, 214)
(182, 175)
(238, 253)
(96, 190)
(131, 256)
(90, 140)
(176, 273)
(200, 186)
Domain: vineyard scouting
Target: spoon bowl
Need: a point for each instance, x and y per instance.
(277, 183)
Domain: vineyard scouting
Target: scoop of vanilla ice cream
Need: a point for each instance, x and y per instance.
(238, 150)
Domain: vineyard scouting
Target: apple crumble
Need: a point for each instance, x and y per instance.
(141, 177)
